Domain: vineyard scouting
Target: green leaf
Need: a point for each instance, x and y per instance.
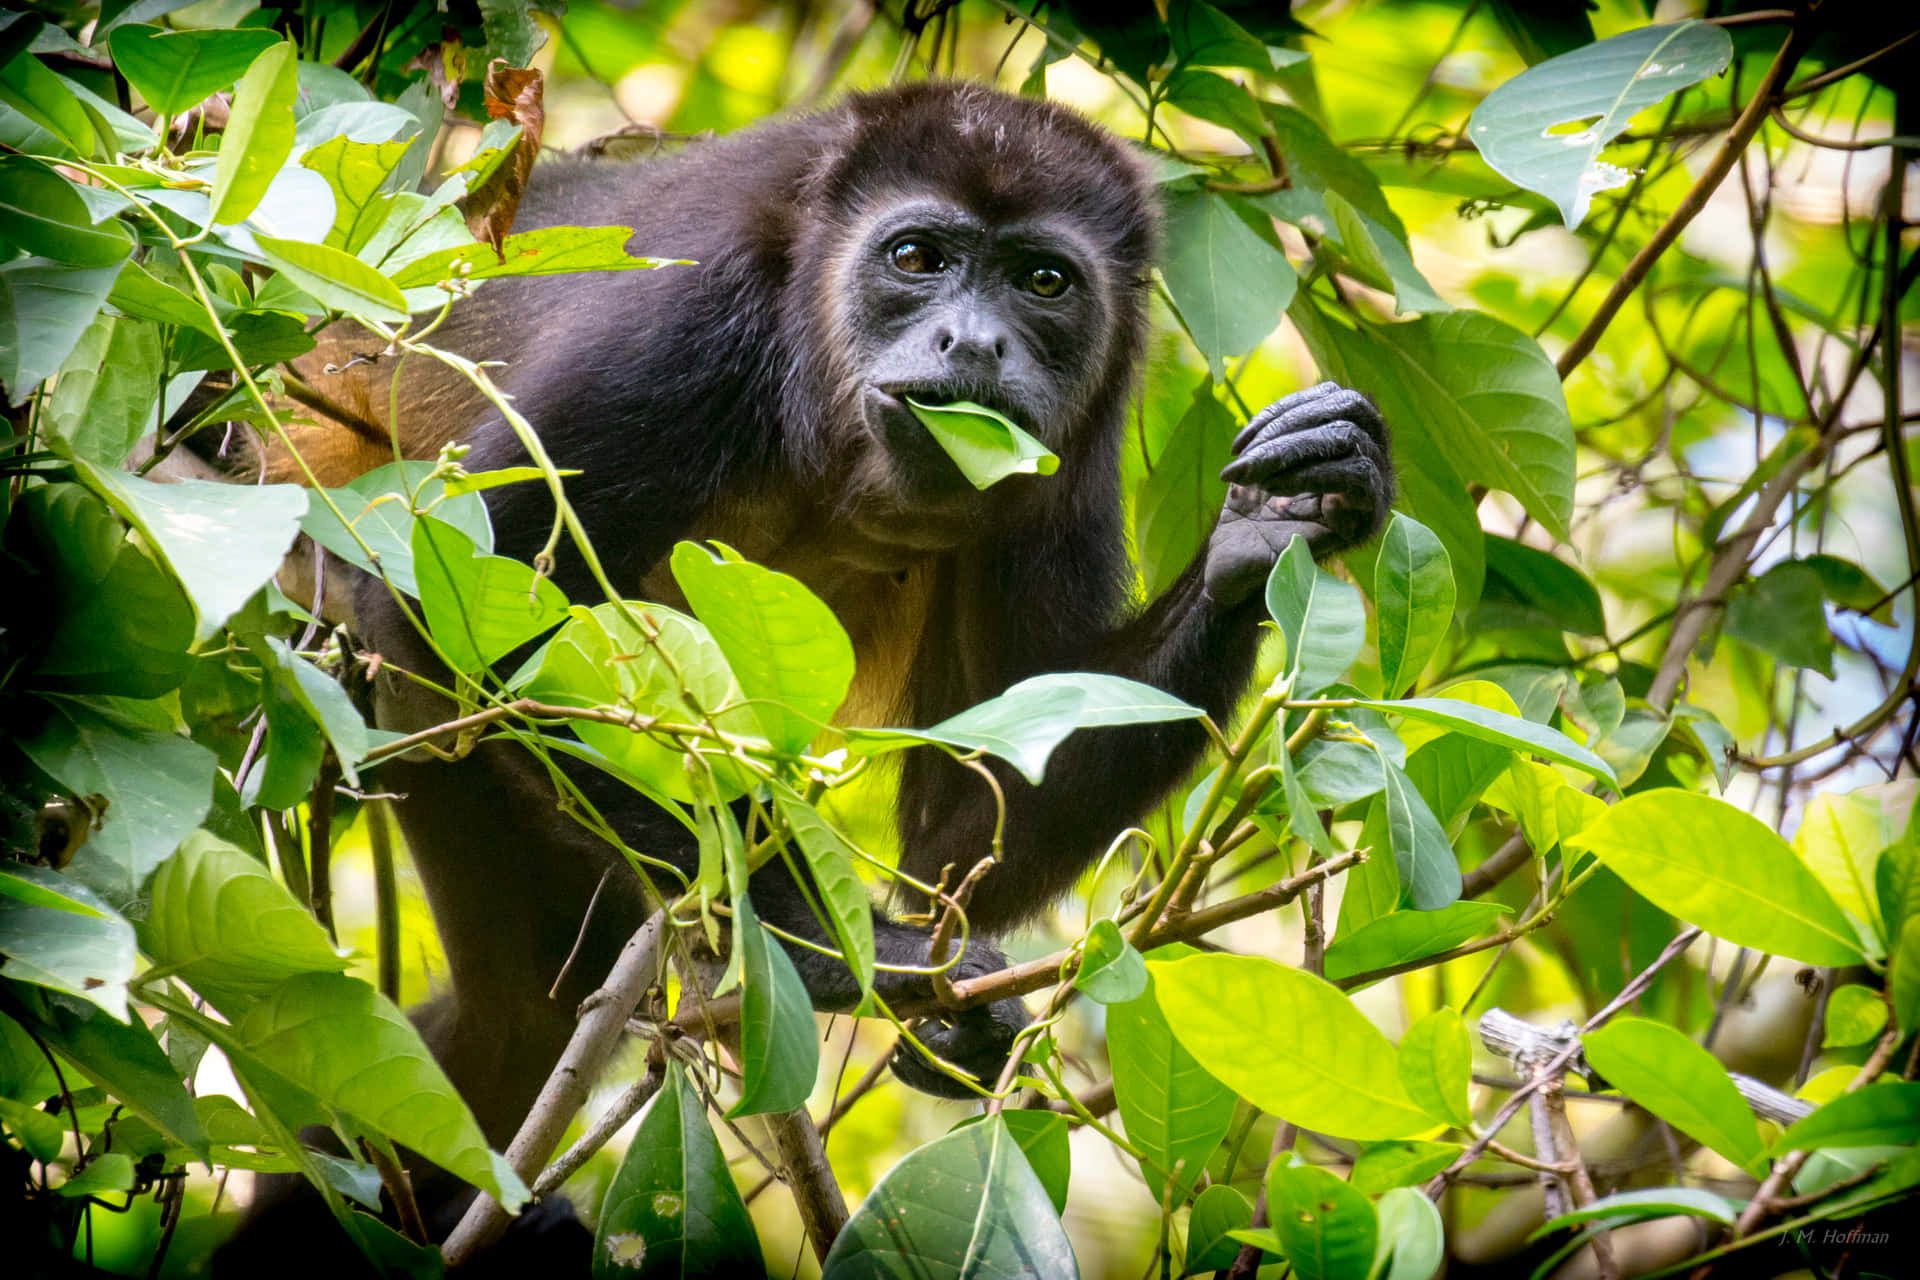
(1303, 818)
(222, 541)
(40, 1133)
(174, 70)
(672, 1209)
(1288, 1042)
(1227, 283)
(1422, 854)
(1666, 1072)
(336, 279)
(376, 506)
(780, 1049)
(344, 1043)
(548, 251)
(138, 292)
(109, 1173)
(479, 607)
(1436, 1063)
(1175, 1113)
(1648, 1203)
(1042, 1137)
(966, 1204)
(1501, 729)
(1111, 971)
(43, 213)
(786, 647)
(984, 444)
(1545, 128)
(1205, 37)
(1322, 617)
(357, 172)
(1023, 725)
(44, 308)
(1840, 839)
(259, 134)
(1413, 600)
(37, 93)
(511, 31)
(122, 1058)
(1782, 613)
(1542, 588)
(1217, 100)
(1178, 503)
(829, 860)
(1855, 1015)
(1703, 860)
(1898, 881)
(1375, 251)
(229, 929)
(115, 621)
(1400, 936)
(1851, 587)
(1217, 1212)
(599, 659)
(1411, 1235)
(1326, 1228)
(1877, 1115)
(108, 392)
(57, 934)
(155, 784)
(1385, 1165)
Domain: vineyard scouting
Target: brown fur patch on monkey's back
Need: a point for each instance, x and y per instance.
(341, 430)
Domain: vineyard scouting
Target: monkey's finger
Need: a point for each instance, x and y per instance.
(1326, 403)
(1277, 455)
(1354, 476)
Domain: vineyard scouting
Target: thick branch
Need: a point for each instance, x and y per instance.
(602, 1020)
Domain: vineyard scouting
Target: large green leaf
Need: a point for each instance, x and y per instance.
(229, 929)
(344, 1043)
(1288, 1042)
(547, 251)
(1501, 729)
(49, 101)
(1023, 725)
(57, 933)
(151, 787)
(829, 861)
(1179, 502)
(43, 213)
(109, 389)
(1666, 1072)
(1877, 1115)
(967, 1206)
(116, 622)
(222, 541)
(479, 607)
(1175, 1112)
(1228, 284)
(1716, 866)
(44, 308)
(1322, 618)
(1042, 1138)
(780, 1049)
(336, 279)
(376, 506)
(1545, 128)
(786, 647)
(1413, 600)
(259, 134)
(1407, 935)
(1327, 1228)
(672, 1210)
(174, 70)
(357, 172)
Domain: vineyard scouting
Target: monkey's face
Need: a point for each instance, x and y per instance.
(943, 304)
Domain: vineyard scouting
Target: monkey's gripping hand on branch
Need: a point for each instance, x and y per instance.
(1315, 464)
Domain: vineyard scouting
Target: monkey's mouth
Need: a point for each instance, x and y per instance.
(919, 465)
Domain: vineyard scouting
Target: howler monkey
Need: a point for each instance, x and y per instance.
(940, 241)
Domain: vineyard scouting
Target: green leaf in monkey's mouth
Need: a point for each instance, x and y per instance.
(982, 443)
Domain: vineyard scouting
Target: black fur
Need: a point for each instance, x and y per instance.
(738, 384)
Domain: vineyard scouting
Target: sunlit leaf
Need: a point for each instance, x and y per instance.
(985, 445)
(259, 134)
(1666, 1072)
(479, 607)
(1175, 1112)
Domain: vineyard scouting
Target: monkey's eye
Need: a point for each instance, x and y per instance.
(1047, 282)
(916, 258)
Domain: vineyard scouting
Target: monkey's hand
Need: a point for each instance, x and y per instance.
(975, 1040)
(1315, 464)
